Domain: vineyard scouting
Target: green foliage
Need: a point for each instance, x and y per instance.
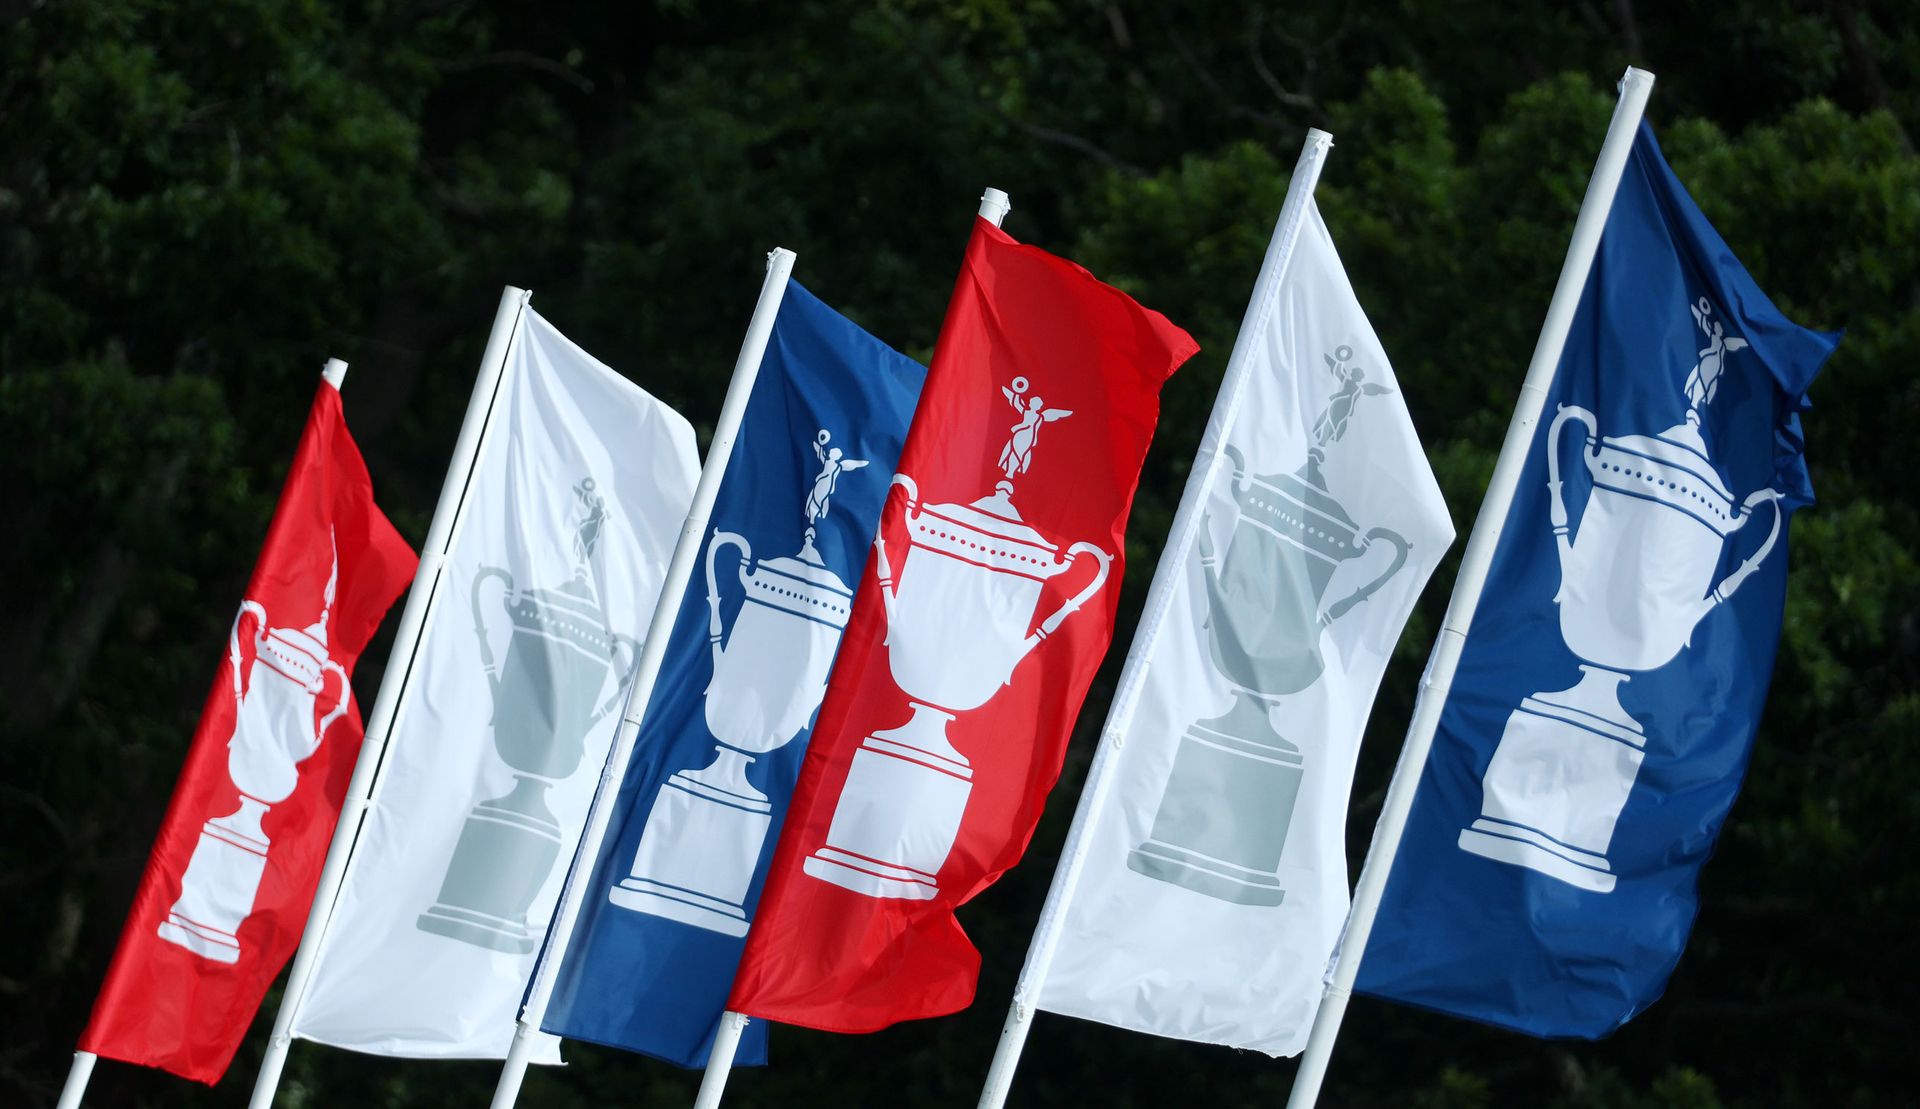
(199, 201)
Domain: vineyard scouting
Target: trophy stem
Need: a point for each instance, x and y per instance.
(725, 780)
(924, 734)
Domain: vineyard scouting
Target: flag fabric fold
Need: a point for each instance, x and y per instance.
(556, 560)
(1214, 881)
(701, 801)
(1608, 693)
(226, 891)
(987, 605)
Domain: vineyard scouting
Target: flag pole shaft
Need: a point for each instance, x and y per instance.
(1474, 564)
(720, 1060)
(1183, 534)
(77, 1078)
(653, 651)
(433, 549)
(994, 206)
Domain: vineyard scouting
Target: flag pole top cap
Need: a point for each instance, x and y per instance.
(780, 255)
(1319, 139)
(1634, 77)
(994, 206)
(334, 372)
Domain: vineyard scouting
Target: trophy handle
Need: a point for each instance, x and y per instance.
(625, 675)
(340, 707)
(1239, 467)
(722, 539)
(480, 623)
(1052, 623)
(1764, 496)
(1400, 549)
(233, 643)
(1558, 510)
(882, 567)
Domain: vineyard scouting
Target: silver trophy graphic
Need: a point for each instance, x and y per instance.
(703, 836)
(561, 675)
(1228, 803)
(277, 725)
(957, 625)
(1636, 576)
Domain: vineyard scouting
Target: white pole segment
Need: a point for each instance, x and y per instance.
(1185, 531)
(77, 1077)
(994, 206)
(652, 652)
(1474, 562)
(433, 550)
(335, 373)
(720, 1060)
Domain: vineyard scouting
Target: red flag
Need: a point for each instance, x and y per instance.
(232, 875)
(978, 627)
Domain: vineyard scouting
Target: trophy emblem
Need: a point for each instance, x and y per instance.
(547, 697)
(1636, 576)
(701, 844)
(277, 725)
(957, 625)
(1228, 803)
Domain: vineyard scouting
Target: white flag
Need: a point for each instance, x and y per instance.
(1214, 879)
(557, 558)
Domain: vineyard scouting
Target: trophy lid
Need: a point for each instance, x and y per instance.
(571, 613)
(988, 532)
(295, 649)
(803, 586)
(1671, 467)
(993, 515)
(1298, 507)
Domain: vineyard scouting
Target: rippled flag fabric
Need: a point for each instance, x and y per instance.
(985, 610)
(226, 892)
(699, 809)
(1607, 698)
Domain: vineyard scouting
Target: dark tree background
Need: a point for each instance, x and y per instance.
(200, 200)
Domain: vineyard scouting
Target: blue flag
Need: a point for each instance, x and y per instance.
(1605, 705)
(666, 909)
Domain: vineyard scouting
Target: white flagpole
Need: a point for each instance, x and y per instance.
(994, 206)
(652, 653)
(77, 1078)
(1186, 529)
(1635, 86)
(413, 617)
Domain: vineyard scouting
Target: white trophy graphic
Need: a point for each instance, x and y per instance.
(277, 725)
(703, 836)
(957, 624)
(1634, 580)
(561, 674)
(1228, 802)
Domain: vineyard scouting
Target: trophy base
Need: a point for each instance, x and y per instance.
(1203, 875)
(478, 929)
(898, 815)
(1226, 808)
(659, 899)
(870, 876)
(1558, 781)
(209, 943)
(1510, 843)
(503, 857)
(697, 857)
